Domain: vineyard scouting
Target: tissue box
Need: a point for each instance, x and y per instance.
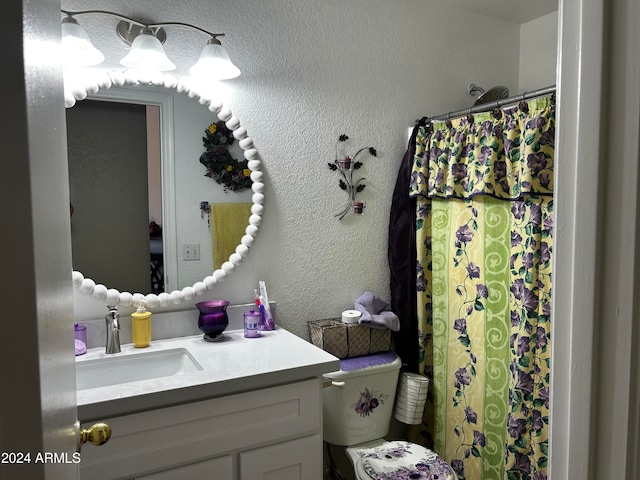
(348, 340)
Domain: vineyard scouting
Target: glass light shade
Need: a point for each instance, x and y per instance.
(77, 49)
(214, 63)
(147, 53)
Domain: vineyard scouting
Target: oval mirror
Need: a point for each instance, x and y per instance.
(171, 276)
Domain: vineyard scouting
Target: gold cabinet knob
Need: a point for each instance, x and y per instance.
(97, 434)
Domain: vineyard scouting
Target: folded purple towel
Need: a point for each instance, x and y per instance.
(374, 314)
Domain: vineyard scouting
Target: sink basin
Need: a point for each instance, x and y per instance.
(123, 368)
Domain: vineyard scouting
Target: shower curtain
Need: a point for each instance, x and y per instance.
(483, 187)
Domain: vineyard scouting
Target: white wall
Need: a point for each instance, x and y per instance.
(617, 326)
(313, 71)
(538, 46)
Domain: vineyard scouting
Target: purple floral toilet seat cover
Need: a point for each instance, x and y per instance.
(399, 460)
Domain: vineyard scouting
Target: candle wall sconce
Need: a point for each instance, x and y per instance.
(346, 165)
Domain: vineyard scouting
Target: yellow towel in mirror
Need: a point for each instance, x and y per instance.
(228, 224)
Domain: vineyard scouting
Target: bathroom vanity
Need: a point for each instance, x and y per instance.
(239, 409)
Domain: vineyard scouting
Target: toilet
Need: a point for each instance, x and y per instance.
(358, 403)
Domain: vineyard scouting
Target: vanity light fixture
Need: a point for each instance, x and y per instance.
(146, 53)
(146, 50)
(76, 45)
(214, 60)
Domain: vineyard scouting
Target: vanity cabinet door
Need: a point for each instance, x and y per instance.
(184, 435)
(294, 460)
(213, 469)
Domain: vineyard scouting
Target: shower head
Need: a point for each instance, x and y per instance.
(495, 93)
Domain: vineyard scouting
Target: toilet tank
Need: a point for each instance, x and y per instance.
(358, 401)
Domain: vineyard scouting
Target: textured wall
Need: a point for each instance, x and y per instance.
(315, 70)
(538, 52)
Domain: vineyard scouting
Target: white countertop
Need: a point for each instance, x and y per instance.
(235, 365)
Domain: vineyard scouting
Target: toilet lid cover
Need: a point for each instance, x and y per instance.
(404, 460)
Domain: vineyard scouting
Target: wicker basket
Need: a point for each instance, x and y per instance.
(348, 339)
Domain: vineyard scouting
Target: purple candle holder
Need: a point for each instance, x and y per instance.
(213, 319)
(345, 163)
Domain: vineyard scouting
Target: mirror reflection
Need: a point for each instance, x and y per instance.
(141, 199)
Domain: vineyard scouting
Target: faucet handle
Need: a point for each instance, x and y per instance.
(113, 330)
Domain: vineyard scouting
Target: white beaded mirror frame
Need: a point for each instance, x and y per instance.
(78, 87)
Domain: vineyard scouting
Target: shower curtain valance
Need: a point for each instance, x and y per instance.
(504, 154)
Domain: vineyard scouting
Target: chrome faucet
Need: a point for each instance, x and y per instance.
(113, 330)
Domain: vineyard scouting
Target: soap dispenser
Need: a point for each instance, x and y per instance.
(141, 326)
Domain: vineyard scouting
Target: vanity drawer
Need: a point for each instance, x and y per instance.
(179, 435)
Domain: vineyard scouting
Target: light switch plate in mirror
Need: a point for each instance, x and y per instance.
(78, 87)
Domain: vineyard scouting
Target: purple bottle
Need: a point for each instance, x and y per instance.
(251, 324)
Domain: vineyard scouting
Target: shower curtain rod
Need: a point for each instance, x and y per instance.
(496, 103)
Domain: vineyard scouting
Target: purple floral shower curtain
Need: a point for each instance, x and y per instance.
(484, 227)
